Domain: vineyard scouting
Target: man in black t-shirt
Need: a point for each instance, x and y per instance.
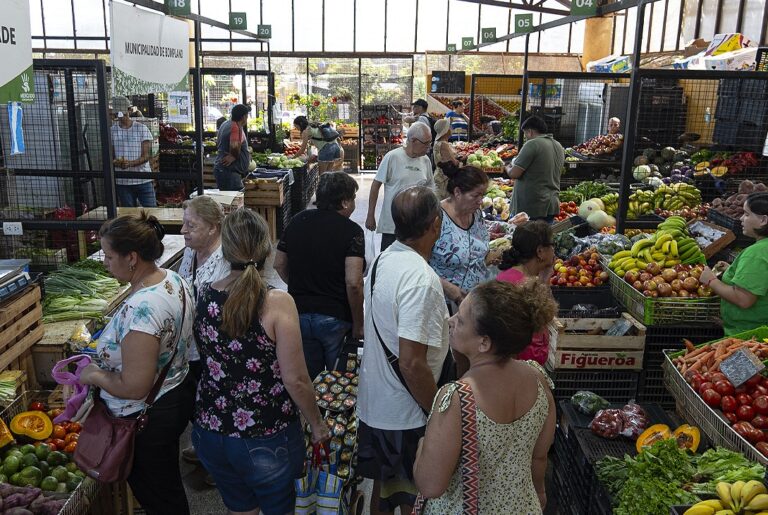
(321, 257)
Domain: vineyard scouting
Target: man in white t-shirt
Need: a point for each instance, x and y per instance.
(406, 344)
(401, 168)
(132, 149)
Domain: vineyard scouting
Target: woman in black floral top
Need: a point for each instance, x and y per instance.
(247, 431)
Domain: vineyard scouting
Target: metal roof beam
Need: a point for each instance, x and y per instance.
(522, 7)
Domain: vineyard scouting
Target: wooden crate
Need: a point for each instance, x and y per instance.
(579, 344)
(270, 214)
(209, 179)
(21, 326)
(264, 192)
(719, 244)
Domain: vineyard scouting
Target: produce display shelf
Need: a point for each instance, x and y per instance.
(612, 385)
(82, 497)
(566, 224)
(599, 296)
(692, 407)
(661, 311)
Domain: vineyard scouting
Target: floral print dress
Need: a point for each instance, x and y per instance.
(241, 392)
(459, 254)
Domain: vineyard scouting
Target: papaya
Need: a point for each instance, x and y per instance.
(688, 437)
(33, 424)
(652, 435)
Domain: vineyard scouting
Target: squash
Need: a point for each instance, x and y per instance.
(719, 171)
(33, 424)
(652, 435)
(5, 435)
(688, 437)
(701, 166)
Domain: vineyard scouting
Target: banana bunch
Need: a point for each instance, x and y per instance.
(671, 245)
(640, 203)
(734, 499)
(676, 196)
(611, 203)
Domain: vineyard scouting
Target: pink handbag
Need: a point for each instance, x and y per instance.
(105, 446)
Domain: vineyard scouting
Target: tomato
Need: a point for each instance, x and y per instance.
(758, 391)
(59, 431)
(71, 437)
(731, 417)
(75, 427)
(712, 398)
(724, 388)
(717, 376)
(762, 447)
(71, 446)
(705, 386)
(761, 404)
(745, 412)
(744, 429)
(754, 380)
(696, 382)
(744, 399)
(37, 406)
(729, 404)
(760, 422)
(764, 382)
(55, 412)
(52, 446)
(65, 425)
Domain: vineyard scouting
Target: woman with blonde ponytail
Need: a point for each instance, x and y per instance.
(247, 432)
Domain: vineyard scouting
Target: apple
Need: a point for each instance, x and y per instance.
(674, 294)
(553, 281)
(653, 268)
(682, 275)
(659, 279)
(595, 256)
(691, 284)
(665, 290)
(669, 274)
(561, 281)
(704, 291)
(638, 285)
(696, 272)
(584, 280)
(603, 275)
(650, 285)
(597, 281)
(647, 293)
(645, 276)
(572, 270)
(683, 293)
(631, 276)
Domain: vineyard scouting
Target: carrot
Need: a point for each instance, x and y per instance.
(689, 346)
(684, 369)
(701, 361)
(689, 357)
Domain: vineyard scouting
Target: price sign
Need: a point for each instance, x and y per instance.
(523, 23)
(740, 366)
(488, 35)
(265, 31)
(467, 43)
(451, 48)
(179, 7)
(583, 7)
(238, 21)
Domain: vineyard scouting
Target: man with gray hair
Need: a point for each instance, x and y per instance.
(400, 168)
(406, 345)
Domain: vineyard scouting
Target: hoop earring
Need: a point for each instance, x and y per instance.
(131, 268)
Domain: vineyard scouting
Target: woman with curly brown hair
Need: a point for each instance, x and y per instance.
(513, 404)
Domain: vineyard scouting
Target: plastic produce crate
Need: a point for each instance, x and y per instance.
(692, 407)
(661, 311)
(734, 224)
(663, 337)
(81, 498)
(614, 386)
(652, 389)
(599, 296)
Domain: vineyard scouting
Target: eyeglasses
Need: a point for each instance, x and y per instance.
(425, 143)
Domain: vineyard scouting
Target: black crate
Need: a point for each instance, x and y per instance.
(726, 132)
(751, 137)
(599, 296)
(734, 224)
(661, 337)
(754, 88)
(297, 190)
(727, 108)
(612, 385)
(177, 162)
(652, 389)
(595, 312)
(600, 501)
(729, 87)
(754, 112)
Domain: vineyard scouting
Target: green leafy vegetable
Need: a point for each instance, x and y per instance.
(721, 464)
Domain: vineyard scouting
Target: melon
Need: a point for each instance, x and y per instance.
(587, 208)
(600, 203)
(600, 219)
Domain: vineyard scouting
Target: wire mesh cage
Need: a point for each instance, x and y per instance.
(495, 98)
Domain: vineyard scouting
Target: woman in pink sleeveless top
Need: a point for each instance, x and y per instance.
(530, 258)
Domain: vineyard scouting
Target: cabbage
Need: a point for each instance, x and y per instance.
(587, 207)
(641, 172)
(599, 219)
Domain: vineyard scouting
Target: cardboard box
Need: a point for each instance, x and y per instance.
(738, 60)
(694, 62)
(728, 42)
(611, 64)
(695, 46)
(578, 345)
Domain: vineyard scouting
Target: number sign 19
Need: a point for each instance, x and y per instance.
(238, 21)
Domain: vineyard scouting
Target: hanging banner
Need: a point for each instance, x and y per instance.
(179, 107)
(17, 80)
(149, 52)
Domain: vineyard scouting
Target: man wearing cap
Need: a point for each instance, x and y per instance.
(233, 155)
(132, 149)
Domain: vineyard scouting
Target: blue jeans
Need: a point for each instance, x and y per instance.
(253, 472)
(135, 195)
(323, 338)
(329, 152)
(227, 180)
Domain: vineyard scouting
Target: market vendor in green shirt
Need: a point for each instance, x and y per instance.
(743, 288)
(536, 171)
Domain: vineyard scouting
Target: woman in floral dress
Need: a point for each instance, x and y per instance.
(247, 432)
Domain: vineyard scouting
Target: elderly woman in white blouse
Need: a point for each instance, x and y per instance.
(202, 263)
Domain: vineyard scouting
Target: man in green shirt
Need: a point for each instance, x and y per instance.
(536, 171)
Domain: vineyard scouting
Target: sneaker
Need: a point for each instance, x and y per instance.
(190, 456)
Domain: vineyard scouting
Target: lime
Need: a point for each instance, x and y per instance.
(30, 460)
(26, 449)
(11, 465)
(60, 473)
(49, 484)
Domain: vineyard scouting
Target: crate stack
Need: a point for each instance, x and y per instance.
(271, 198)
(664, 114)
(21, 327)
(305, 181)
(741, 115)
(581, 358)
